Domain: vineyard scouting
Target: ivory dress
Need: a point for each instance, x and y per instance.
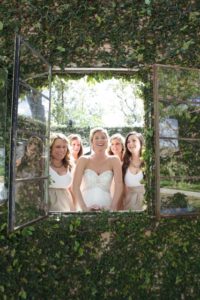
(60, 197)
(134, 191)
(96, 188)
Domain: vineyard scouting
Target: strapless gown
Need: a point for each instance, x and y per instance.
(96, 188)
(59, 195)
(134, 199)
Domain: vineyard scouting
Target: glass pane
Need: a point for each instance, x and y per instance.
(180, 196)
(3, 105)
(34, 69)
(31, 154)
(178, 142)
(179, 158)
(179, 120)
(178, 84)
(30, 200)
(33, 111)
(28, 193)
(31, 157)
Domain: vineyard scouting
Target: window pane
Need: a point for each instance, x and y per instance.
(177, 139)
(180, 120)
(179, 158)
(33, 110)
(34, 69)
(178, 84)
(30, 200)
(180, 196)
(3, 106)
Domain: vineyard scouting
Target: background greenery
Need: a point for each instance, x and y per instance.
(128, 256)
(120, 256)
(104, 33)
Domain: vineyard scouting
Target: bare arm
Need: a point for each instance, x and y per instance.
(117, 170)
(76, 183)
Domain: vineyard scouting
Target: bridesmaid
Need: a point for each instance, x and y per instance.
(132, 172)
(60, 174)
(117, 148)
(116, 145)
(76, 146)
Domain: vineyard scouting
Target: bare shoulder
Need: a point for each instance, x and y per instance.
(83, 160)
(114, 159)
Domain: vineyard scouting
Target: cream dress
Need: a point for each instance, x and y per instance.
(96, 188)
(60, 197)
(134, 191)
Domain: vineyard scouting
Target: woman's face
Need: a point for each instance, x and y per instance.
(133, 144)
(32, 150)
(116, 147)
(75, 147)
(59, 149)
(99, 141)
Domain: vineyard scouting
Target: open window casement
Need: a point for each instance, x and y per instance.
(29, 144)
(177, 140)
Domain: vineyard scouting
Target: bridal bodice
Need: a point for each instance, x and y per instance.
(96, 188)
(93, 180)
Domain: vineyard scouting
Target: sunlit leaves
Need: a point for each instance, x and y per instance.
(136, 32)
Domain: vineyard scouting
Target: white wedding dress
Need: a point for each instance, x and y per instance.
(95, 188)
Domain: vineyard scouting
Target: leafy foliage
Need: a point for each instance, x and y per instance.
(91, 101)
(127, 256)
(106, 33)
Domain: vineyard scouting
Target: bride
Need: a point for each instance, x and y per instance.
(94, 173)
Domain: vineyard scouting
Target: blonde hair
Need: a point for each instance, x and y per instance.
(96, 129)
(119, 137)
(61, 136)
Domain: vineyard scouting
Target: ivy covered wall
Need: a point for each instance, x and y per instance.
(110, 33)
(129, 256)
(121, 256)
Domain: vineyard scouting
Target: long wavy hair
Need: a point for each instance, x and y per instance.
(127, 153)
(76, 137)
(66, 160)
(33, 161)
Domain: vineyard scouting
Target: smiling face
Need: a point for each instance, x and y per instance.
(75, 147)
(99, 141)
(116, 147)
(133, 144)
(59, 149)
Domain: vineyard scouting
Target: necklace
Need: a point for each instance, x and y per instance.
(136, 165)
(56, 167)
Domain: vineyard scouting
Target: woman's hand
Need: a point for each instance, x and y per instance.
(94, 207)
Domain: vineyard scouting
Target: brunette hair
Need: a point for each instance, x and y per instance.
(61, 136)
(73, 137)
(127, 153)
